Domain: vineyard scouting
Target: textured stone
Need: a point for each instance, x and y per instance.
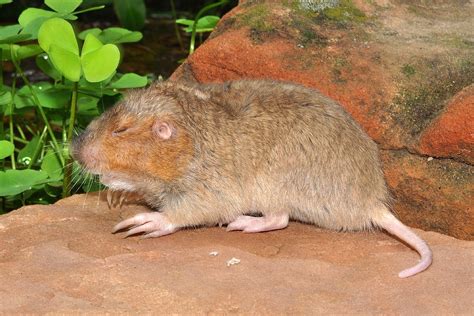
(432, 194)
(62, 258)
(452, 133)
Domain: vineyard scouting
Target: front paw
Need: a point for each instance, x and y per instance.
(149, 224)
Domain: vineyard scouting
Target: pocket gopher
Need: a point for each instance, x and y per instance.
(222, 153)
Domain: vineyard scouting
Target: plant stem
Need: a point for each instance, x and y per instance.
(67, 156)
(38, 148)
(20, 140)
(40, 109)
(20, 130)
(90, 9)
(1, 67)
(196, 19)
(176, 28)
(12, 157)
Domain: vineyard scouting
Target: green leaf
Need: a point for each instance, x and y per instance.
(23, 102)
(131, 13)
(9, 34)
(91, 43)
(26, 153)
(52, 166)
(23, 99)
(205, 24)
(54, 189)
(185, 22)
(5, 1)
(101, 63)
(20, 52)
(5, 97)
(58, 32)
(14, 39)
(31, 14)
(6, 52)
(9, 30)
(87, 105)
(68, 63)
(44, 63)
(113, 35)
(96, 88)
(116, 35)
(6, 149)
(32, 28)
(17, 181)
(53, 98)
(129, 80)
(26, 51)
(63, 6)
(94, 31)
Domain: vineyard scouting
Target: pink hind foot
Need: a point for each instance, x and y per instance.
(251, 224)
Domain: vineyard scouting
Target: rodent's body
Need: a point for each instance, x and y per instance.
(208, 154)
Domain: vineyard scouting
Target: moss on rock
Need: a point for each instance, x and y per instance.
(428, 88)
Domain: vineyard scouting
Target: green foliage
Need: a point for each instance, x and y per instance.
(113, 35)
(6, 148)
(131, 13)
(17, 181)
(35, 166)
(204, 24)
(201, 24)
(32, 18)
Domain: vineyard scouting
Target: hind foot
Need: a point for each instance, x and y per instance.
(251, 224)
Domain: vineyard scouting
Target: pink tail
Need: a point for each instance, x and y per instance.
(392, 225)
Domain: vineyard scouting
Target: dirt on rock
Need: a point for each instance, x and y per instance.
(62, 258)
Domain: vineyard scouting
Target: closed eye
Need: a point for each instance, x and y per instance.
(119, 131)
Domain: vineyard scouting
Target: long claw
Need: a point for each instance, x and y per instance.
(150, 224)
(132, 221)
(141, 229)
(123, 197)
(109, 198)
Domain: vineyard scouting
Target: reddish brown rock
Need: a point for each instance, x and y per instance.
(452, 133)
(433, 194)
(392, 65)
(62, 259)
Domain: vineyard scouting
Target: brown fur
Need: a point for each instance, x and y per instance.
(240, 147)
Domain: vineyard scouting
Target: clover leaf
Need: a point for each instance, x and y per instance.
(96, 62)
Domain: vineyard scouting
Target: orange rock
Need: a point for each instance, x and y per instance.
(433, 194)
(62, 259)
(452, 133)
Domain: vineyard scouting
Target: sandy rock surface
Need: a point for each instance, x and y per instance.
(62, 258)
(403, 69)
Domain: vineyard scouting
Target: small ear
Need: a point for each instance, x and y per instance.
(163, 130)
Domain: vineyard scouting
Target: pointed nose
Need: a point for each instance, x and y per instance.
(77, 144)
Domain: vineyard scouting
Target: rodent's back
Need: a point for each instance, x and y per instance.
(283, 146)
